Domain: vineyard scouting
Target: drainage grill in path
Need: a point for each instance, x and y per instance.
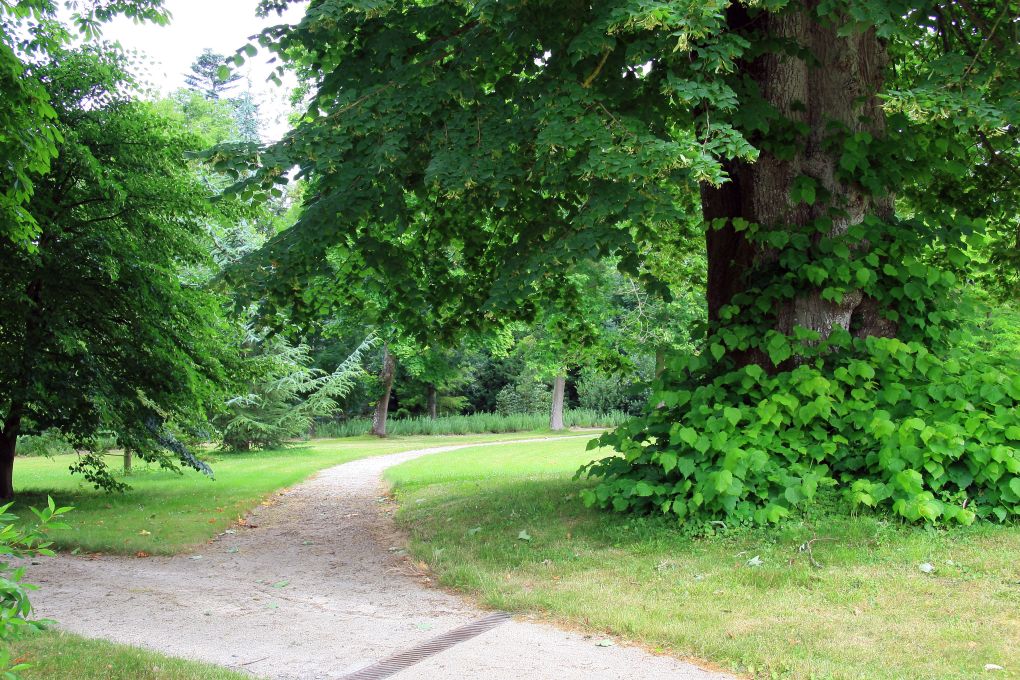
(398, 662)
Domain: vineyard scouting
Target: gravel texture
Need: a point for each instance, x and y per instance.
(314, 585)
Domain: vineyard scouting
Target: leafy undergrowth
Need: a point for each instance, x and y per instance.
(166, 513)
(887, 600)
(54, 655)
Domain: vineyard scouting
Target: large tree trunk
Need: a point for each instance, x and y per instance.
(838, 86)
(556, 413)
(382, 408)
(432, 401)
(8, 446)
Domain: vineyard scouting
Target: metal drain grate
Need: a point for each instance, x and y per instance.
(398, 662)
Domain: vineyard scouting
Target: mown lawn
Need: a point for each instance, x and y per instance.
(750, 602)
(54, 655)
(165, 512)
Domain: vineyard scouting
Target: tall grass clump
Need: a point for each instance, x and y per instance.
(475, 423)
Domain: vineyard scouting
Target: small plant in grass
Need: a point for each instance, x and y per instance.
(18, 541)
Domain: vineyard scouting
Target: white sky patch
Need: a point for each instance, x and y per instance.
(220, 25)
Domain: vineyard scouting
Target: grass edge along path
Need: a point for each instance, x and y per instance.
(167, 513)
(504, 524)
(56, 655)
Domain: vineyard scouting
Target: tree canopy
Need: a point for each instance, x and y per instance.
(103, 327)
(846, 161)
(30, 32)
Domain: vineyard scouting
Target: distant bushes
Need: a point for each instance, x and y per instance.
(523, 397)
(53, 443)
(476, 423)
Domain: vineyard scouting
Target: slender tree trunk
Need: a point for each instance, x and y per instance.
(432, 401)
(556, 415)
(837, 87)
(127, 461)
(382, 408)
(660, 361)
(660, 366)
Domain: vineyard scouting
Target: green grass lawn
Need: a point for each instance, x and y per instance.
(165, 512)
(54, 655)
(868, 611)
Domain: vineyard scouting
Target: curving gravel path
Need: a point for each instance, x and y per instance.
(313, 590)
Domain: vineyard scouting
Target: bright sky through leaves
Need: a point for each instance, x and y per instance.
(220, 25)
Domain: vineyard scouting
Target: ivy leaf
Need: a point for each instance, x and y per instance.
(723, 480)
(778, 349)
(717, 350)
(524, 535)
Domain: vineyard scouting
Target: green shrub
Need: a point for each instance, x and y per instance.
(49, 443)
(524, 396)
(604, 392)
(927, 424)
(18, 542)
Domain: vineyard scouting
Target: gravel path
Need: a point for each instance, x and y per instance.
(311, 589)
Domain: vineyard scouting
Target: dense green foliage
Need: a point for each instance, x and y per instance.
(29, 134)
(855, 167)
(512, 198)
(286, 396)
(921, 422)
(104, 328)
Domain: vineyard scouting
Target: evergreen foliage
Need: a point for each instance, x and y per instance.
(207, 78)
(287, 394)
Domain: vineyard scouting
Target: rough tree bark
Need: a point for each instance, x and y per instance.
(8, 448)
(839, 85)
(556, 414)
(127, 461)
(432, 401)
(382, 408)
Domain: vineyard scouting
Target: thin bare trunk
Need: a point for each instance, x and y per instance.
(660, 361)
(432, 401)
(660, 366)
(382, 407)
(127, 461)
(556, 414)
